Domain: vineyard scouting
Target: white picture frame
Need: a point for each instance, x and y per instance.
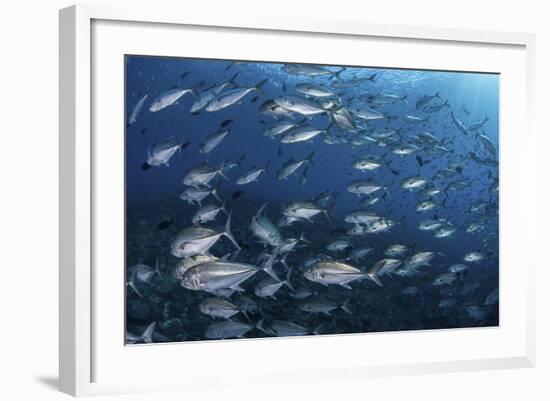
(80, 342)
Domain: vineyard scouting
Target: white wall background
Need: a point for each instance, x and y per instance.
(29, 185)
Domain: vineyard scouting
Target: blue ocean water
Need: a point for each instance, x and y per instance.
(462, 166)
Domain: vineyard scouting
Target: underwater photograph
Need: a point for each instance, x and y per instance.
(279, 199)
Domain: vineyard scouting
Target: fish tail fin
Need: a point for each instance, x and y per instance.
(283, 261)
(261, 210)
(260, 325)
(134, 288)
(309, 159)
(266, 166)
(336, 75)
(345, 307)
(371, 78)
(406, 100)
(268, 265)
(327, 211)
(182, 143)
(374, 277)
(304, 239)
(157, 268)
(220, 170)
(304, 175)
(259, 86)
(227, 231)
(387, 194)
(238, 162)
(215, 192)
(287, 281)
(232, 80)
(147, 336)
(437, 95)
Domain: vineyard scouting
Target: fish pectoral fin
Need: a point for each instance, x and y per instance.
(346, 285)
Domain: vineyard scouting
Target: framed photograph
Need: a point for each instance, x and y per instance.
(241, 192)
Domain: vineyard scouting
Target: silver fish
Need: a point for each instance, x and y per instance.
(160, 154)
(338, 245)
(458, 268)
(217, 275)
(332, 272)
(396, 250)
(445, 279)
(413, 183)
(207, 213)
(445, 232)
(474, 257)
(425, 205)
(207, 96)
(382, 268)
(271, 108)
(309, 70)
(431, 225)
(343, 118)
(230, 97)
(299, 104)
(197, 240)
(169, 98)
(359, 254)
(381, 225)
(197, 194)
(213, 140)
(280, 128)
(459, 124)
(282, 328)
(365, 187)
(365, 113)
(368, 163)
(186, 263)
(137, 109)
(252, 174)
(200, 176)
(488, 144)
(314, 90)
(361, 217)
(304, 211)
(292, 165)
(141, 274)
(420, 259)
(415, 119)
(478, 124)
(424, 100)
(434, 108)
(218, 308)
(265, 230)
(319, 305)
(301, 134)
(222, 330)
